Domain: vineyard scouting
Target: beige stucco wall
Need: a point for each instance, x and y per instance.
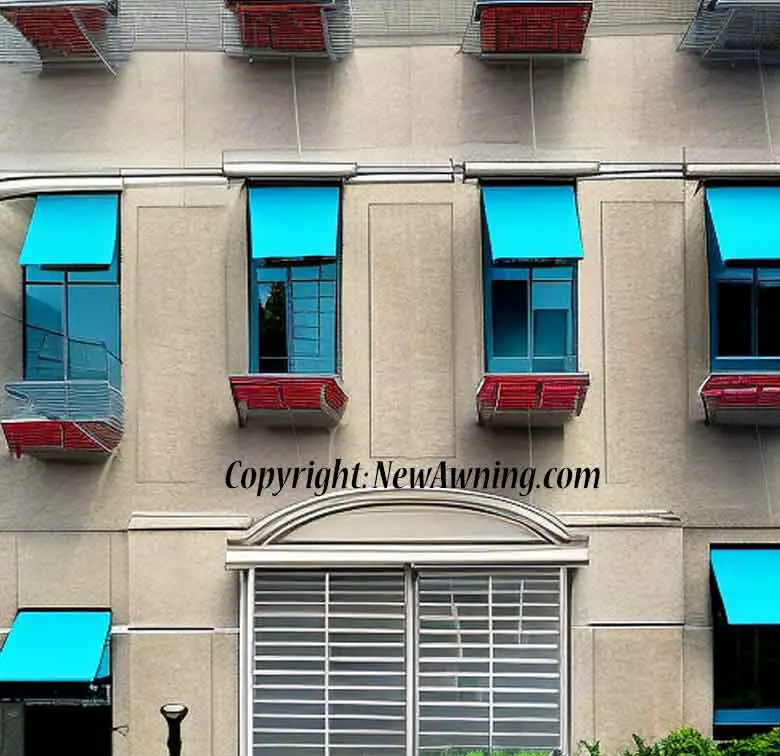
(411, 352)
(410, 257)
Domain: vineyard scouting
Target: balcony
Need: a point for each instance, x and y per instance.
(288, 400)
(523, 28)
(735, 30)
(70, 33)
(734, 399)
(533, 399)
(73, 420)
(292, 28)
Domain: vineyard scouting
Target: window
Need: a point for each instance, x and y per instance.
(745, 590)
(71, 322)
(294, 240)
(365, 662)
(745, 319)
(746, 663)
(529, 319)
(531, 243)
(293, 319)
(743, 250)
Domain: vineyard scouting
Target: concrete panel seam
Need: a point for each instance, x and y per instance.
(136, 362)
(604, 381)
(594, 687)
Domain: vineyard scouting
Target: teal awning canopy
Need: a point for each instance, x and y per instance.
(749, 584)
(57, 647)
(745, 224)
(532, 223)
(72, 231)
(293, 222)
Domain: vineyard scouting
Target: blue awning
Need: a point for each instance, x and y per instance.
(293, 222)
(532, 222)
(72, 231)
(746, 223)
(55, 646)
(749, 584)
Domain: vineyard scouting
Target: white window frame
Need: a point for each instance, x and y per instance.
(263, 547)
(246, 641)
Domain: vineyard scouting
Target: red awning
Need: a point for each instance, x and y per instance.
(747, 399)
(532, 399)
(302, 400)
(533, 28)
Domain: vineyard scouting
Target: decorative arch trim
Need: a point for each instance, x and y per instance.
(272, 529)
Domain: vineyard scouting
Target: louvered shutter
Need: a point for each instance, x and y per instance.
(330, 663)
(489, 661)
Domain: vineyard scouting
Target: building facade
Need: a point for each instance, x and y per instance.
(246, 304)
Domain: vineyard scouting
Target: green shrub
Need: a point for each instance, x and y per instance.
(767, 744)
(642, 748)
(683, 742)
(687, 742)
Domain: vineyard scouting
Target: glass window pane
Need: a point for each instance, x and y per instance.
(264, 274)
(272, 309)
(769, 321)
(550, 331)
(93, 332)
(734, 319)
(106, 275)
(554, 273)
(35, 274)
(43, 358)
(304, 273)
(510, 318)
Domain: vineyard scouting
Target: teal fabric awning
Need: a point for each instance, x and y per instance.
(745, 224)
(72, 231)
(749, 584)
(532, 223)
(52, 646)
(293, 222)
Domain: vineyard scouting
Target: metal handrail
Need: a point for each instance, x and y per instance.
(75, 401)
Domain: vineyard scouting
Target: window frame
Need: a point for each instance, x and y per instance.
(532, 273)
(64, 279)
(527, 269)
(247, 629)
(285, 270)
(286, 264)
(757, 276)
(728, 643)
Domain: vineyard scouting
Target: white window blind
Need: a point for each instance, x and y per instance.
(489, 661)
(331, 661)
(329, 677)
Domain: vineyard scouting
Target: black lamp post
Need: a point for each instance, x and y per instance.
(173, 714)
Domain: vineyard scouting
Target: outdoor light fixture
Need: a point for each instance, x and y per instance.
(173, 714)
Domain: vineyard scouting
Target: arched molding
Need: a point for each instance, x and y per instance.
(274, 528)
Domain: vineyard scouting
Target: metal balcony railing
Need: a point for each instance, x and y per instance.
(71, 401)
(86, 391)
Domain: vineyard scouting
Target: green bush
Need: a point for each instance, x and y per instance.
(687, 742)
(683, 742)
(767, 744)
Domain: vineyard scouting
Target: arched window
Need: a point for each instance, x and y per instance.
(404, 622)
